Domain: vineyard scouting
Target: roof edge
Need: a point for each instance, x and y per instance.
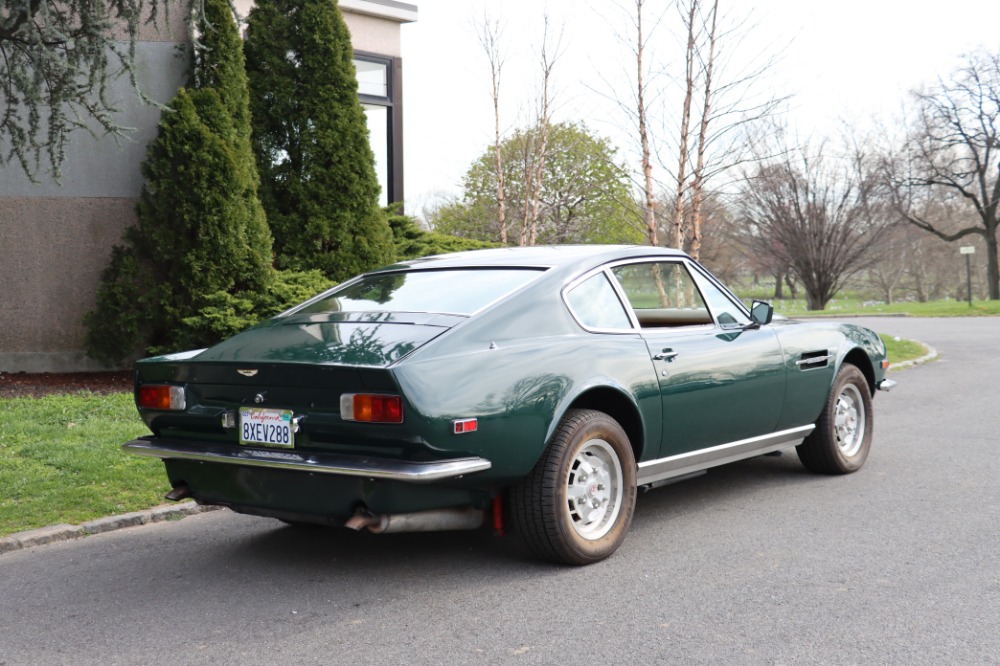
(388, 9)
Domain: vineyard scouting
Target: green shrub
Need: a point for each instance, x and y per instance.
(412, 242)
(191, 270)
(310, 137)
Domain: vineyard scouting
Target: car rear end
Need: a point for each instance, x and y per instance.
(301, 418)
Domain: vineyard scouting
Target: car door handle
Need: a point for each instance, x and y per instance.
(667, 354)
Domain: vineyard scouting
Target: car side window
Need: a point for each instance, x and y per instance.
(662, 294)
(596, 305)
(726, 312)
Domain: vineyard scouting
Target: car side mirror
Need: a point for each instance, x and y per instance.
(761, 312)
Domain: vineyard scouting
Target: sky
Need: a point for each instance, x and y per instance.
(851, 60)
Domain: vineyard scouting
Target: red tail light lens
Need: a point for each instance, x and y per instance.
(371, 408)
(161, 396)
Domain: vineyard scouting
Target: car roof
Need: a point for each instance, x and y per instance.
(540, 256)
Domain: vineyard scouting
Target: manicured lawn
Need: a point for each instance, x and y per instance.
(902, 350)
(61, 461)
(853, 306)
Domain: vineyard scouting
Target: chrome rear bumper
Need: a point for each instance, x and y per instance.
(317, 463)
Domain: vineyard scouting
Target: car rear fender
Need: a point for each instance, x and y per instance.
(616, 402)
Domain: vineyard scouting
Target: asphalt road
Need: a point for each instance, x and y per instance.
(756, 563)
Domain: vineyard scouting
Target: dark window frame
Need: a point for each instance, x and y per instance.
(393, 102)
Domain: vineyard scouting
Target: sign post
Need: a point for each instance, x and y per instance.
(968, 251)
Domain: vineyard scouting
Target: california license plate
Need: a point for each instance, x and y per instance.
(266, 427)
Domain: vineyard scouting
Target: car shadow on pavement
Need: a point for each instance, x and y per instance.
(272, 545)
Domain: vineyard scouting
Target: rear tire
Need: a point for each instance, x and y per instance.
(843, 434)
(577, 504)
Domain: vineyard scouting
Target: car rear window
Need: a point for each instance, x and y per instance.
(455, 291)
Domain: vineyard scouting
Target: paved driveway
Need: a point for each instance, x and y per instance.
(755, 563)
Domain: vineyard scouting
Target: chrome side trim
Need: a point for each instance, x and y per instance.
(317, 463)
(695, 461)
(815, 360)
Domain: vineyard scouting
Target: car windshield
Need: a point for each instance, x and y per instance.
(458, 291)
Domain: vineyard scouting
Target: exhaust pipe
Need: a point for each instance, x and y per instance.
(178, 493)
(435, 520)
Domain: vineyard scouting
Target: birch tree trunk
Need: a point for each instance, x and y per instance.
(679, 231)
(489, 39)
(649, 208)
(699, 171)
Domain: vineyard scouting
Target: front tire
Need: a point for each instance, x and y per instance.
(843, 434)
(577, 504)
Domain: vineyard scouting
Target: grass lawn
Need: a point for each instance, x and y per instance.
(853, 306)
(61, 461)
(902, 350)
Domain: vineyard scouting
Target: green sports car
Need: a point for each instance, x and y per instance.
(532, 389)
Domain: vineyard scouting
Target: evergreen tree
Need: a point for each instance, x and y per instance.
(198, 262)
(219, 65)
(318, 182)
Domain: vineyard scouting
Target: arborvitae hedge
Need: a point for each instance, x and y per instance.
(197, 265)
(318, 182)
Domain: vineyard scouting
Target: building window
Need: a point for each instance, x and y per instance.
(379, 92)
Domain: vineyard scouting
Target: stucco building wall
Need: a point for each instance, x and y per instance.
(56, 238)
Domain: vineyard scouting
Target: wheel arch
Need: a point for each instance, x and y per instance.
(859, 358)
(616, 404)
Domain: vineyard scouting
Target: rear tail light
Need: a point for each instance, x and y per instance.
(161, 396)
(371, 408)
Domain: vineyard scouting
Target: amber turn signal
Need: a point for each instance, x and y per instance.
(371, 408)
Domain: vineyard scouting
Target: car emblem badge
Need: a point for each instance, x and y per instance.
(259, 398)
(247, 373)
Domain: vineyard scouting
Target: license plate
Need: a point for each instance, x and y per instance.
(266, 427)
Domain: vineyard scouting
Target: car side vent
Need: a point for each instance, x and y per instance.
(814, 359)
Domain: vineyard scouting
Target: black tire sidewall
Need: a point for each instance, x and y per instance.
(597, 426)
(820, 451)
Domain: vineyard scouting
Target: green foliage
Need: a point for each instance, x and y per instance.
(197, 265)
(219, 62)
(412, 242)
(318, 182)
(899, 351)
(221, 314)
(585, 195)
(290, 288)
(57, 60)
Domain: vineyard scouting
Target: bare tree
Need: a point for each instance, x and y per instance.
(490, 34)
(895, 256)
(547, 60)
(535, 168)
(954, 147)
(648, 191)
(698, 175)
(688, 13)
(717, 136)
(817, 214)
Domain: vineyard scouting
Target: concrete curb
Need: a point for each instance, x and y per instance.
(931, 355)
(54, 533)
